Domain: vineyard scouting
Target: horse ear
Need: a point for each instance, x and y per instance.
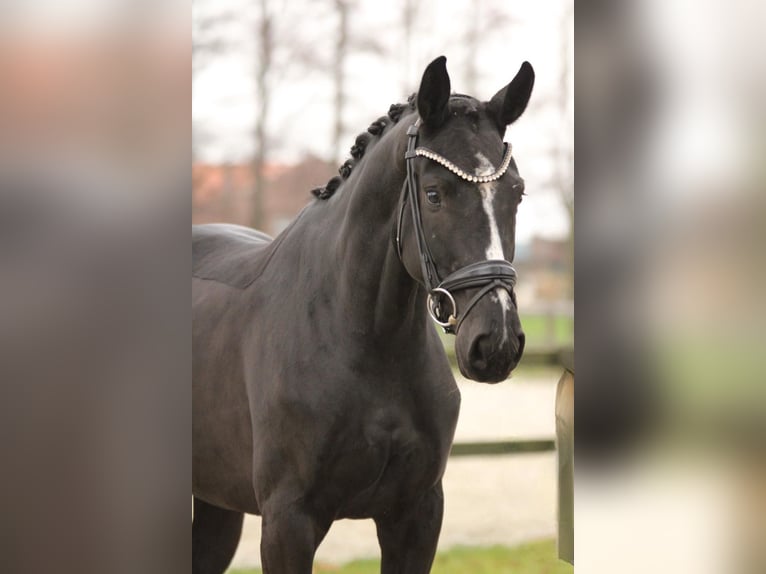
(509, 103)
(433, 94)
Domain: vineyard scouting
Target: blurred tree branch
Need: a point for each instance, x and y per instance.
(346, 41)
(209, 35)
(263, 67)
(409, 18)
(563, 153)
(483, 22)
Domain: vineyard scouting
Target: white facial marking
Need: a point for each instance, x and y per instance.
(495, 247)
(487, 190)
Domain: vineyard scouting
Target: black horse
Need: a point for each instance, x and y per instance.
(321, 390)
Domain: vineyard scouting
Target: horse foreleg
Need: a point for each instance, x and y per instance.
(289, 539)
(408, 542)
(215, 536)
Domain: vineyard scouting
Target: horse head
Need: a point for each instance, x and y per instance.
(457, 224)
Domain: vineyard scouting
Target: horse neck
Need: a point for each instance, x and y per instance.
(379, 297)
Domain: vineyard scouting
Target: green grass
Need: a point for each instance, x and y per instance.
(540, 330)
(533, 558)
(543, 331)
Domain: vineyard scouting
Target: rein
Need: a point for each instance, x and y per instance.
(483, 275)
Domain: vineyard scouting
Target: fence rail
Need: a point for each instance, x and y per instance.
(502, 447)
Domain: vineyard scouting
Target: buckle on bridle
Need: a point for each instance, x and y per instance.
(434, 309)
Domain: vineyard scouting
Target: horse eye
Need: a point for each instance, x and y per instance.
(433, 197)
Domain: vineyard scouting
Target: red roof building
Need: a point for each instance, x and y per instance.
(224, 193)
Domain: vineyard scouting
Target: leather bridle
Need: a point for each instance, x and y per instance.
(483, 275)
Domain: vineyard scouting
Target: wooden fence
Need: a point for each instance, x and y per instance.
(563, 357)
(502, 447)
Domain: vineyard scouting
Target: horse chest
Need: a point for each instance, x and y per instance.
(352, 440)
(404, 452)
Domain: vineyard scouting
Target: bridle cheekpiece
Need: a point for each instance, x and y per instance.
(483, 275)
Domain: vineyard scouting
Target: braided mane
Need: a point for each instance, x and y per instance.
(375, 130)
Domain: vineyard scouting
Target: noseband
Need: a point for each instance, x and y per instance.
(483, 275)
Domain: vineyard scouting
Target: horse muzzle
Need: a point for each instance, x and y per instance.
(490, 342)
(491, 362)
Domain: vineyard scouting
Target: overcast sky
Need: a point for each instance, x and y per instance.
(301, 120)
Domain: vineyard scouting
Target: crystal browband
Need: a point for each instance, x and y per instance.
(432, 155)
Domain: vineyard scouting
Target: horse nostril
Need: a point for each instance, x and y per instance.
(481, 350)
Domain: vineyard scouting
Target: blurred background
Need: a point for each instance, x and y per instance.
(280, 90)
(671, 402)
(94, 261)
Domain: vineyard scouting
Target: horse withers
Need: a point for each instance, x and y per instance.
(321, 390)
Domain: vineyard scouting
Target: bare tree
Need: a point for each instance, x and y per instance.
(339, 73)
(217, 34)
(563, 151)
(472, 40)
(346, 41)
(409, 18)
(263, 69)
(209, 35)
(483, 22)
(209, 41)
